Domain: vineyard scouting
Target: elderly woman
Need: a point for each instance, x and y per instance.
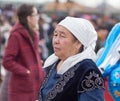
(71, 73)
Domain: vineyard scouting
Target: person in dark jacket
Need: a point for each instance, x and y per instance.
(71, 72)
(22, 58)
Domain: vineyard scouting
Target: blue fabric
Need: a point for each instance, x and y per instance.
(114, 83)
(50, 83)
(110, 52)
(114, 90)
(89, 95)
(92, 95)
(108, 43)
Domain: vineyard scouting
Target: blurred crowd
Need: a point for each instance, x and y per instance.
(47, 23)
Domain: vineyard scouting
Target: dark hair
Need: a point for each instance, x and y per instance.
(23, 11)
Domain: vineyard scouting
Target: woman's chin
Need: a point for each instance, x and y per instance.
(56, 53)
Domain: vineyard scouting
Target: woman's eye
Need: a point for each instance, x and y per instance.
(59, 35)
(54, 35)
(62, 35)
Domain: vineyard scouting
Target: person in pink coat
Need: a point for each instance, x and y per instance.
(22, 57)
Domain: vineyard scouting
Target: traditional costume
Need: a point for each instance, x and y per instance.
(109, 61)
(78, 78)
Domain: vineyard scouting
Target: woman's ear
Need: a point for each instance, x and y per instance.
(78, 45)
(28, 19)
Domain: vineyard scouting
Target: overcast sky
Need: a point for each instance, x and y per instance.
(90, 3)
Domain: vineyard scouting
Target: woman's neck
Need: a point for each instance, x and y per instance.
(59, 64)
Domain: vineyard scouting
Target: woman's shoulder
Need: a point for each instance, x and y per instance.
(90, 74)
(88, 63)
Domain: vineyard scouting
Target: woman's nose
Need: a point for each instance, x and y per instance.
(56, 39)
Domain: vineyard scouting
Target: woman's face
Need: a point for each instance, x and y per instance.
(33, 19)
(64, 43)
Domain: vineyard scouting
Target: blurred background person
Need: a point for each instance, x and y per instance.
(5, 30)
(102, 32)
(22, 58)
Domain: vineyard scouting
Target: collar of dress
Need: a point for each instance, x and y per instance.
(72, 60)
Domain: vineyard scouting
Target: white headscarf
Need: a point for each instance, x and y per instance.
(84, 31)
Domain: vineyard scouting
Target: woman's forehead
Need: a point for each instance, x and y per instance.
(62, 29)
(65, 31)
